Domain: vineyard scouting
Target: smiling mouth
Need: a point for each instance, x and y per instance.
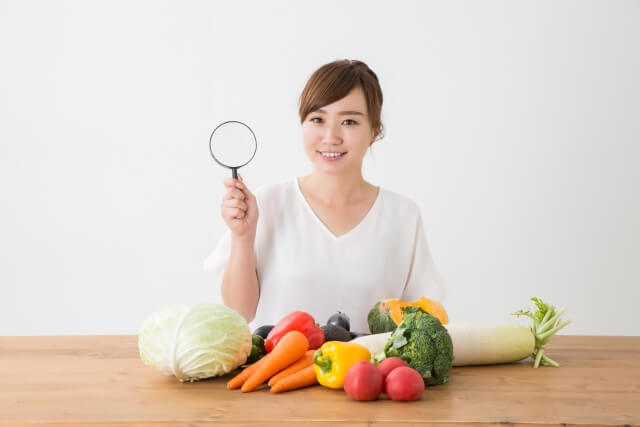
(331, 155)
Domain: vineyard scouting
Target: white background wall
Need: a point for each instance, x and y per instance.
(514, 125)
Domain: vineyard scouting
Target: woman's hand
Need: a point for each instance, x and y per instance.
(239, 209)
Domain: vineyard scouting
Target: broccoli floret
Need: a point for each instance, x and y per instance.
(422, 342)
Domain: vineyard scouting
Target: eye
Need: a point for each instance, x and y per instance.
(315, 120)
(350, 122)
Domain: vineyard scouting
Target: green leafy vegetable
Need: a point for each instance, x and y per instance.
(194, 341)
(422, 342)
(546, 323)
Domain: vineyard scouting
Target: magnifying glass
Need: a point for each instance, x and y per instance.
(232, 145)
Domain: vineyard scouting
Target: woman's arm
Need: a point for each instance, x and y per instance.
(240, 289)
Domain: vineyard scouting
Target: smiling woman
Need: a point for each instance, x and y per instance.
(339, 134)
(340, 110)
(328, 241)
(333, 81)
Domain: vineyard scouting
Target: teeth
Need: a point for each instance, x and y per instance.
(331, 154)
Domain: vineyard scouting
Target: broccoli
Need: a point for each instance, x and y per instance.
(422, 342)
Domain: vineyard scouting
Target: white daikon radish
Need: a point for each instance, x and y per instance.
(473, 343)
(491, 343)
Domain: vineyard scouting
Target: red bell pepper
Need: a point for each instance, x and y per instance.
(315, 336)
(296, 321)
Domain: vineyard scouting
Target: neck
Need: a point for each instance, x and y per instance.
(333, 189)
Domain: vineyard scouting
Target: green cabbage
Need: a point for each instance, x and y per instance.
(195, 341)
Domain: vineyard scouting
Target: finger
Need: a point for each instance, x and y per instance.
(237, 213)
(235, 203)
(244, 188)
(234, 193)
(233, 213)
(230, 182)
(239, 193)
(248, 194)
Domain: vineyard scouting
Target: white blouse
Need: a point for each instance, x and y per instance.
(302, 265)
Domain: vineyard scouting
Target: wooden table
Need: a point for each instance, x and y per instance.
(86, 380)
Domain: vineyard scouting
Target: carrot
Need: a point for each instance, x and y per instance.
(291, 347)
(238, 380)
(303, 378)
(302, 363)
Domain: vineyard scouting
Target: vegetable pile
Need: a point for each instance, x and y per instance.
(412, 346)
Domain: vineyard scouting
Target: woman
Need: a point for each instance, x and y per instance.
(329, 241)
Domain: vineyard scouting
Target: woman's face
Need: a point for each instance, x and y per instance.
(336, 137)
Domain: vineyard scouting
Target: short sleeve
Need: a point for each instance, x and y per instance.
(217, 261)
(424, 280)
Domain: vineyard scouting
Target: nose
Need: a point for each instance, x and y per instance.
(332, 134)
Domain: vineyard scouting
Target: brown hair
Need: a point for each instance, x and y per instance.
(334, 81)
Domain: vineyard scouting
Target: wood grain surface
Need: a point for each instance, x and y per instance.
(85, 380)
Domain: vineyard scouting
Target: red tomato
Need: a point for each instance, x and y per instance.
(404, 383)
(389, 364)
(363, 381)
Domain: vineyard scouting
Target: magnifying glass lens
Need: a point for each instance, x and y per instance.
(232, 145)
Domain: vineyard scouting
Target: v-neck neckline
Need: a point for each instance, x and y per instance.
(326, 229)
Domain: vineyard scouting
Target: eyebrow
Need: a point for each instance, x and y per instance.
(343, 113)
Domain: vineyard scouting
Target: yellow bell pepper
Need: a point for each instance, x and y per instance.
(332, 361)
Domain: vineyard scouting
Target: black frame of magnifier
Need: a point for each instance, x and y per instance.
(234, 169)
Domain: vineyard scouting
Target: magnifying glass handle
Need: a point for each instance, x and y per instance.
(234, 173)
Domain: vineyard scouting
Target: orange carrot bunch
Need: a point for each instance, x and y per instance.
(289, 366)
